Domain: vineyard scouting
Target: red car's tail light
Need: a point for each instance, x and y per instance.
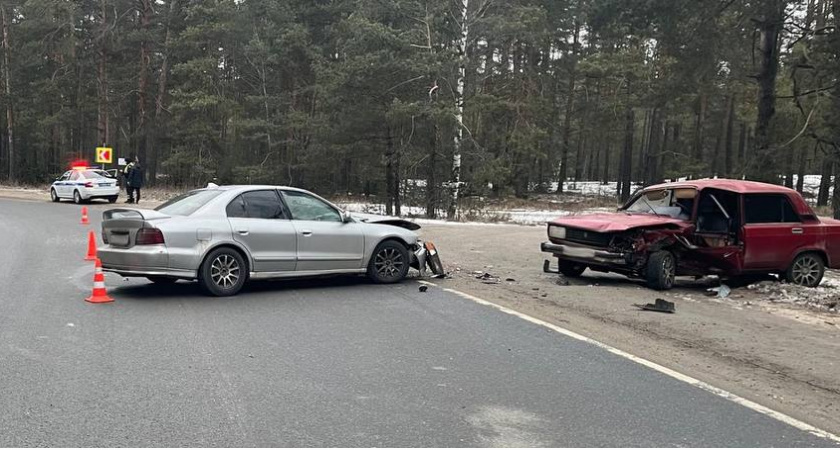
(149, 236)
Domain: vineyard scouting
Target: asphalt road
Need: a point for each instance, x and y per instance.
(334, 362)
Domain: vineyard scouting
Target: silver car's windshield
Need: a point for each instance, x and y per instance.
(186, 204)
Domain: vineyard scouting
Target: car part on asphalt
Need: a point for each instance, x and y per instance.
(721, 291)
(660, 305)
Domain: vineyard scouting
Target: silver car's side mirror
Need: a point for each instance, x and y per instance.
(346, 217)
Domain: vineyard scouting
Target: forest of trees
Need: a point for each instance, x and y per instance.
(462, 97)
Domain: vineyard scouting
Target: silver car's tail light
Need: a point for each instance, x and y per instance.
(149, 236)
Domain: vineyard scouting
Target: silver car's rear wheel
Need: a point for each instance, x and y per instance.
(77, 198)
(389, 263)
(223, 272)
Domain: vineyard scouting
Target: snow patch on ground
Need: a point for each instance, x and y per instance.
(519, 216)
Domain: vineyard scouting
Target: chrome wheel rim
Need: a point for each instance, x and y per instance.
(225, 271)
(806, 271)
(53, 195)
(668, 270)
(389, 263)
(76, 197)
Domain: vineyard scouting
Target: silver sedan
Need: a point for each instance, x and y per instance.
(223, 236)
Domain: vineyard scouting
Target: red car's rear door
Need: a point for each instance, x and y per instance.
(773, 232)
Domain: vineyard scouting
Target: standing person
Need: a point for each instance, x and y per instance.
(126, 177)
(136, 178)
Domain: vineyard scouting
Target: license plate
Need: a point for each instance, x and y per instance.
(104, 184)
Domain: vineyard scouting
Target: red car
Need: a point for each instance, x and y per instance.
(729, 228)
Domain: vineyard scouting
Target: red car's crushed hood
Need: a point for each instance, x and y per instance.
(611, 222)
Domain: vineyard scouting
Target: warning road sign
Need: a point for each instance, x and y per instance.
(104, 155)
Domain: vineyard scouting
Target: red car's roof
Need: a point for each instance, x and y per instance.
(739, 186)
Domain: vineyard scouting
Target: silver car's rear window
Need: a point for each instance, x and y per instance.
(186, 204)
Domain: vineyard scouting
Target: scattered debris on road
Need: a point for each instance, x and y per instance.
(721, 291)
(424, 288)
(488, 278)
(661, 305)
(824, 298)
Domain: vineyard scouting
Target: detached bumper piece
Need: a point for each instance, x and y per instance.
(427, 256)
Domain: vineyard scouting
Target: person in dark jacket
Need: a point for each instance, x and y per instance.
(126, 173)
(136, 179)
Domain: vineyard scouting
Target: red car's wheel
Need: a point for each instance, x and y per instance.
(661, 270)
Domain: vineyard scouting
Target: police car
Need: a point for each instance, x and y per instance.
(82, 184)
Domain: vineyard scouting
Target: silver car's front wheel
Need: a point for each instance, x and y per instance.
(223, 272)
(389, 262)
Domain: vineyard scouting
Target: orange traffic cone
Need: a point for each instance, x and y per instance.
(99, 294)
(84, 216)
(91, 252)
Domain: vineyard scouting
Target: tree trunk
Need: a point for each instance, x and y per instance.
(143, 78)
(699, 124)
(463, 39)
(770, 28)
(103, 131)
(825, 180)
(7, 90)
(835, 197)
(641, 166)
(803, 159)
(570, 102)
(605, 177)
(742, 146)
(163, 78)
(389, 172)
(727, 144)
(627, 155)
(431, 174)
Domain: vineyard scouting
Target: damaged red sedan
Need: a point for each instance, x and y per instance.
(695, 228)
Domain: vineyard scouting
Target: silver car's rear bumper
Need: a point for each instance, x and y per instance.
(140, 261)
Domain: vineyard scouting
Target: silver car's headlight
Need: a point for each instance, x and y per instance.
(556, 232)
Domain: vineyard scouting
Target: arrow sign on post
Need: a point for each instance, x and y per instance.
(104, 155)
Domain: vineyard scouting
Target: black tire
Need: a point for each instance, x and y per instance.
(223, 273)
(388, 263)
(661, 270)
(112, 199)
(570, 269)
(77, 198)
(54, 196)
(162, 280)
(806, 270)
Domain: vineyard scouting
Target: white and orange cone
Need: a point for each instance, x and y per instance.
(85, 220)
(99, 295)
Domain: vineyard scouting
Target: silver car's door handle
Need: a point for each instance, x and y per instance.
(242, 231)
(306, 233)
(796, 231)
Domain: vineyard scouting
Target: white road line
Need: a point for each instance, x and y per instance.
(659, 368)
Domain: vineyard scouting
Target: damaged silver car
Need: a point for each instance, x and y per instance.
(224, 236)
